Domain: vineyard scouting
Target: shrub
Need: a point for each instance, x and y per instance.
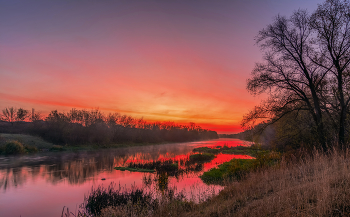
(14, 147)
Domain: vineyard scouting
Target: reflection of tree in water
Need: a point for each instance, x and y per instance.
(75, 172)
(166, 169)
(12, 178)
(76, 168)
(147, 180)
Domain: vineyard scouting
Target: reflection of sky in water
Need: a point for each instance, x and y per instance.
(42, 184)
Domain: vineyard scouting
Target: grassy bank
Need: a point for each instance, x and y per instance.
(314, 186)
(253, 150)
(238, 169)
(34, 144)
(22, 144)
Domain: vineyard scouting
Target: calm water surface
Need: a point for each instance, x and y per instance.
(42, 184)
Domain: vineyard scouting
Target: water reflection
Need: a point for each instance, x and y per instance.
(77, 168)
(69, 176)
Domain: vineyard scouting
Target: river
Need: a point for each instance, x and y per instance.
(42, 184)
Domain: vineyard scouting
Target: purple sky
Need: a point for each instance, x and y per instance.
(182, 61)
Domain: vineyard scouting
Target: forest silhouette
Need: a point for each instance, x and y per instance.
(80, 127)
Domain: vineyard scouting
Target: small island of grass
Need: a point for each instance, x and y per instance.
(253, 150)
(201, 158)
(133, 169)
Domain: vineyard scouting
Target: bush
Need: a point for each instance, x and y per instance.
(14, 147)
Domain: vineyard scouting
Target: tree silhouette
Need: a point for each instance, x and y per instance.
(22, 114)
(288, 73)
(306, 67)
(331, 23)
(9, 114)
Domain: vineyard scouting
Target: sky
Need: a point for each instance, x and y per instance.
(182, 61)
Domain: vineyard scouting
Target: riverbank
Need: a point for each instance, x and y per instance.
(34, 144)
(315, 186)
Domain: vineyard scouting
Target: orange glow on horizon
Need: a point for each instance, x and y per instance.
(44, 106)
(119, 57)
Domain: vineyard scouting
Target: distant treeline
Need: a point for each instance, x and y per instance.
(78, 127)
(246, 135)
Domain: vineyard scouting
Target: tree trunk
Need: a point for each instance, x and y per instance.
(342, 116)
(319, 119)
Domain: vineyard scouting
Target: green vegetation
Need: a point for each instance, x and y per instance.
(23, 144)
(33, 141)
(234, 169)
(133, 169)
(253, 150)
(200, 158)
(14, 147)
(238, 169)
(169, 167)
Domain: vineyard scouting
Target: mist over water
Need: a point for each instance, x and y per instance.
(42, 184)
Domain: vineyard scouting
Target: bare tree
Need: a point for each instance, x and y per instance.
(288, 72)
(22, 114)
(35, 116)
(9, 114)
(331, 23)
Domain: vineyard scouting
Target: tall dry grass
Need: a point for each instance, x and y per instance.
(315, 186)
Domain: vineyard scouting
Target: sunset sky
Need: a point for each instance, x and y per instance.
(182, 61)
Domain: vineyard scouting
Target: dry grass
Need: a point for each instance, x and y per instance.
(315, 186)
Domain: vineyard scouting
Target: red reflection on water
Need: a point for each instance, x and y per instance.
(219, 159)
(161, 158)
(222, 158)
(65, 181)
(221, 142)
(176, 158)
